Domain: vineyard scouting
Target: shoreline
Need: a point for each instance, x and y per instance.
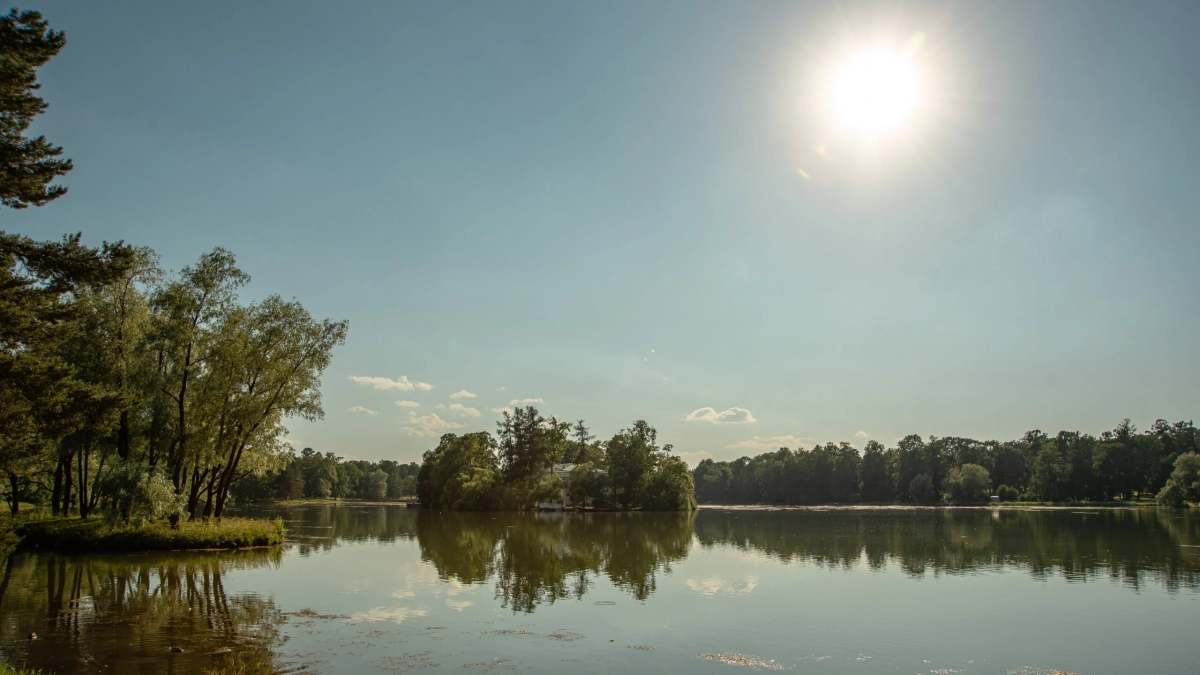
(93, 535)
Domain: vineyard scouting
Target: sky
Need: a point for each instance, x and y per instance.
(631, 210)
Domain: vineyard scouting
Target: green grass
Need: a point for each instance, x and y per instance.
(6, 669)
(72, 535)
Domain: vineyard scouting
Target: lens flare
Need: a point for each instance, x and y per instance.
(803, 174)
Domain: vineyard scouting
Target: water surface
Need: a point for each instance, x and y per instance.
(378, 589)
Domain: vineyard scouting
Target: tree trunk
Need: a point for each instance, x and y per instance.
(56, 496)
(208, 500)
(177, 471)
(227, 479)
(123, 437)
(82, 459)
(14, 504)
(67, 484)
(194, 493)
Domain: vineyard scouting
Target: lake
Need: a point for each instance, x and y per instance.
(384, 589)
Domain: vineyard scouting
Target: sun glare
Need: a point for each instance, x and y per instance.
(875, 92)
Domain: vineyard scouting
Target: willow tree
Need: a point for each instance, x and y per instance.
(272, 365)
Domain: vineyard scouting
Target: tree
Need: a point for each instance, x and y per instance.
(631, 456)
(1184, 484)
(529, 444)
(460, 473)
(42, 398)
(920, 489)
(670, 488)
(875, 483)
(27, 165)
(377, 486)
(968, 484)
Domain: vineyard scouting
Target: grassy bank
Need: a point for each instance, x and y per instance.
(6, 669)
(72, 535)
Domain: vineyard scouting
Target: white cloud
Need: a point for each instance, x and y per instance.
(525, 401)
(440, 406)
(770, 443)
(407, 404)
(462, 394)
(693, 459)
(388, 384)
(501, 411)
(359, 408)
(429, 426)
(499, 388)
(861, 434)
(730, 416)
(469, 412)
(397, 615)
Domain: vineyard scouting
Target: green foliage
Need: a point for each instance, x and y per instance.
(1008, 494)
(1184, 483)
(670, 487)
(92, 535)
(27, 165)
(137, 495)
(920, 489)
(475, 471)
(1070, 466)
(631, 456)
(528, 444)
(968, 484)
(875, 480)
(377, 485)
(589, 486)
(460, 473)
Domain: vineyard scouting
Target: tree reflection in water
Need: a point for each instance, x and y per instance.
(1131, 545)
(540, 558)
(123, 614)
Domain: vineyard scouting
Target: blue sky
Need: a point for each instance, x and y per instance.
(598, 205)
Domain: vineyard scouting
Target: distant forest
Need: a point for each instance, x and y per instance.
(1069, 466)
(312, 475)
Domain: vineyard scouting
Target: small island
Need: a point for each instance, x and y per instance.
(542, 463)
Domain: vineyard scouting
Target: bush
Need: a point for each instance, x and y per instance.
(921, 489)
(1008, 494)
(134, 494)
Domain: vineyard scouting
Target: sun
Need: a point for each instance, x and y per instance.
(875, 92)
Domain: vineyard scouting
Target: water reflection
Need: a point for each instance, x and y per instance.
(539, 558)
(1135, 546)
(125, 613)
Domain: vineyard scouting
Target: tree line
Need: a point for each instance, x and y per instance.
(1069, 466)
(313, 475)
(513, 469)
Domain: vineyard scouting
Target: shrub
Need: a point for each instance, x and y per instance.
(1008, 494)
(131, 493)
